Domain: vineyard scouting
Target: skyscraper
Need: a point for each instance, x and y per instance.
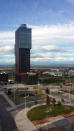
(22, 49)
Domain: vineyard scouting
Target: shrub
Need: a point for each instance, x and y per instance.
(62, 100)
(59, 103)
(53, 101)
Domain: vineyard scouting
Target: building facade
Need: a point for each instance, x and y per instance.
(3, 77)
(22, 49)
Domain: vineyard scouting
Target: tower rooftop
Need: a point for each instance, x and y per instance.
(23, 25)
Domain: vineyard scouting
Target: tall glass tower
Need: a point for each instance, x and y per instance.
(22, 49)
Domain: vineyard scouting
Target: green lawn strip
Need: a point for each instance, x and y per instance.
(17, 99)
(40, 112)
(55, 80)
(37, 113)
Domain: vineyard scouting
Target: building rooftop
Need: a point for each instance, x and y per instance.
(31, 73)
(23, 25)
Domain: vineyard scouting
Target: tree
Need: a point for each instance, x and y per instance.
(48, 100)
(47, 91)
(62, 100)
(53, 101)
(9, 91)
(59, 103)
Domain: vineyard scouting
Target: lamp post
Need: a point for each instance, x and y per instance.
(13, 85)
(14, 94)
(38, 85)
(25, 102)
(70, 93)
(47, 118)
(70, 90)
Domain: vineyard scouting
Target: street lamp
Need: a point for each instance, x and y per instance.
(48, 110)
(13, 86)
(25, 102)
(14, 94)
(70, 93)
(70, 90)
(38, 85)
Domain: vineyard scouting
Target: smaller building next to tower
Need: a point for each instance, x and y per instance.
(22, 51)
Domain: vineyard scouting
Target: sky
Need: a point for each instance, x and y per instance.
(52, 23)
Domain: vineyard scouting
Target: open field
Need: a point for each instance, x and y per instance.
(55, 80)
(41, 112)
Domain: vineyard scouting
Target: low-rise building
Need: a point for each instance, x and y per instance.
(71, 73)
(32, 78)
(3, 77)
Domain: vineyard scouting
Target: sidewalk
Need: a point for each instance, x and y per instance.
(9, 101)
(23, 123)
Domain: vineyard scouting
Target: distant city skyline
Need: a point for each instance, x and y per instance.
(52, 23)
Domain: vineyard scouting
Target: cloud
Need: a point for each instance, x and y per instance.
(7, 38)
(55, 34)
(7, 61)
(49, 43)
(70, 1)
(53, 39)
(6, 49)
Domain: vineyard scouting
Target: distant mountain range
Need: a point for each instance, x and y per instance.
(6, 66)
(42, 65)
(54, 65)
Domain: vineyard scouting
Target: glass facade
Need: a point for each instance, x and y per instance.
(24, 37)
(22, 49)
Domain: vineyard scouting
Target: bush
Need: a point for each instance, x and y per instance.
(9, 91)
(59, 103)
(62, 100)
(53, 101)
(36, 102)
(47, 91)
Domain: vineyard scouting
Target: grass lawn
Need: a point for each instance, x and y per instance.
(53, 84)
(40, 112)
(18, 97)
(55, 80)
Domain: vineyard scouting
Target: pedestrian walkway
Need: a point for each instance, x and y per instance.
(23, 123)
(8, 100)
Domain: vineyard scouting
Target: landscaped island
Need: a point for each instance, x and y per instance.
(44, 111)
